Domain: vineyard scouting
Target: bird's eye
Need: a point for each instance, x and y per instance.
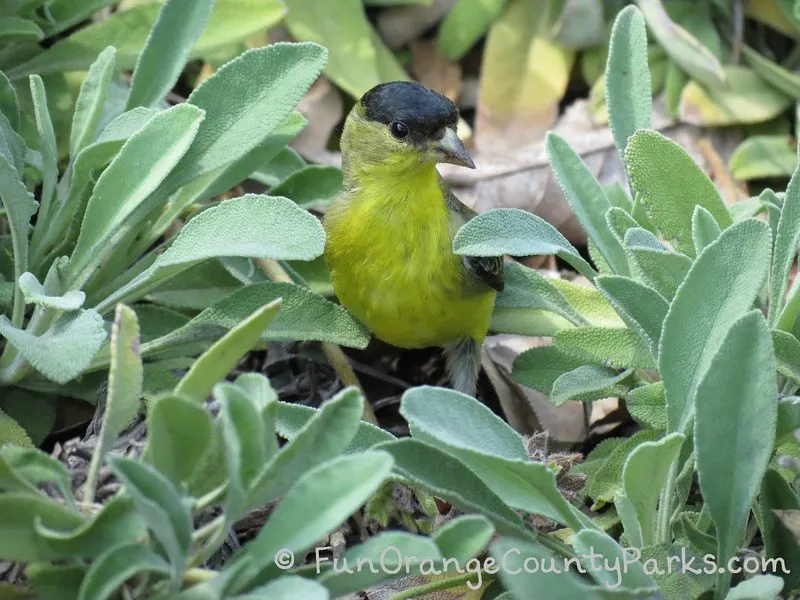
(399, 130)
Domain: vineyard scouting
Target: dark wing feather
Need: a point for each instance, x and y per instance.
(490, 269)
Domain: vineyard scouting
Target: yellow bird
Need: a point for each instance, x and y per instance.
(390, 233)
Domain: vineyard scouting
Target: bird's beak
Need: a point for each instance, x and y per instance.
(451, 150)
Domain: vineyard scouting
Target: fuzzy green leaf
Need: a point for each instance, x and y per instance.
(731, 454)
(117, 522)
(18, 514)
(9, 103)
(557, 584)
(633, 577)
(269, 227)
(266, 228)
(231, 21)
(12, 432)
(124, 377)
(239, 115)
(538, 368)
(91, 100)
(662, 270)
(244, 443)
(627, 79)
(303, 316)
(326, 434)
(587, 383)
(47, 141)
(179, 434)
(527, 288)
(641, 307)
(787, 241)
(322, 499)
(670, 185)
(647, 405)
(123, 189)
(384, 548)
(705, 229)
(643, 476)
(288, 587)
(160, 505)
(291, 419)
(587, 198)
(38, 294)
(105, 576)
(312, 187)
(787, 353)
(617, 347)
(19, 206)
(15, 30)
(604, 483)
(37, 468)
(512, 231)
(166, 50)
(619, 221)
(464, 537)
(214, 364)
(448, 478)
(727, 276)
(489, 447)
(65, 350)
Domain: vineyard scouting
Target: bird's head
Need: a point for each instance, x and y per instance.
(403, 123)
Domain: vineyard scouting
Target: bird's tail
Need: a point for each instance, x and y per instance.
(463, 361)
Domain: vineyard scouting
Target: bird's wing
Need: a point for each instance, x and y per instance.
(488, 268)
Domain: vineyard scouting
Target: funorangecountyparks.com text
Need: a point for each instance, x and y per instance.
(391, 561)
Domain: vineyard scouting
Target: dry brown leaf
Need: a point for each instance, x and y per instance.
(432, 68)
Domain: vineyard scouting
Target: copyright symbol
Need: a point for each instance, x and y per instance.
(284, 559)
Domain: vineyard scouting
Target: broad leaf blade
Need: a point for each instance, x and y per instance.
(214, 364)
(91, 100)
(731, 454)
(588, 200)
(239, 115)
(628, 92)
(171, 39)
(728, 275)
(670, 185)
(501, 231)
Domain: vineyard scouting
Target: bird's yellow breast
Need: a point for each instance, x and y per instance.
(389, 251)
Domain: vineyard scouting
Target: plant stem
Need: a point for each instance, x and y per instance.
(210, 498)
(665, 504)
(208, 529)
(193, 576)
(723, 585)
(333, 353)
(788, 314)
(442, 584)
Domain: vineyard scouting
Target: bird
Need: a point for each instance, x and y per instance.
(389, 233)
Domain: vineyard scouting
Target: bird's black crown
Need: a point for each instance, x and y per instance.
(422, 110)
